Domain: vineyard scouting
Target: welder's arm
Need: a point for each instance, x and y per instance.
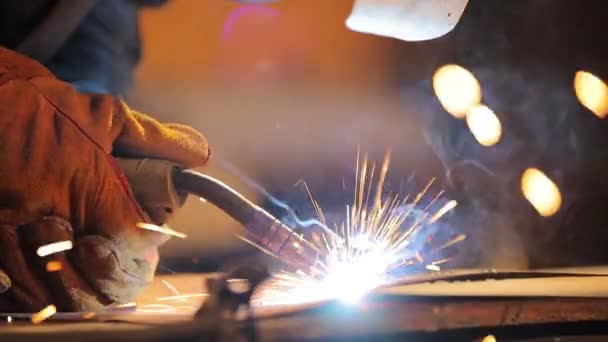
(60, 183)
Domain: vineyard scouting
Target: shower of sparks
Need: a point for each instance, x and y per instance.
(375, 240)
(55, 247)
(44, 314)
(164, 229)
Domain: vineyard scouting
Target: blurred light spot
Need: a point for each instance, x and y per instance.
(484, 125)
(9, 319)
(53, 248)
(592, 92)
(541, 192)
(457, 89)
(53, 266)
(44, 314)
(489, 338)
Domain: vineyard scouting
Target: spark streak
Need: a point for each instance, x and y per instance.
(182, 296)
(447, 207)
(161, 229)
(55, 247)
(375, 240)
(44, 314)
(170, 287)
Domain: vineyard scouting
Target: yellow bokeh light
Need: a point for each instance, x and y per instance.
(484, 125)
(489, 338)
(592, 93)
(457, 89)
(541, 192)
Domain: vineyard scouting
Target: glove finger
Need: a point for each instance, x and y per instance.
(143, 136)
(27, 291)
(116, 271)
(5, 281)
(70, 291)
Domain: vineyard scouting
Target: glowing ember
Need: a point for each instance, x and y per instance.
(365, 249)
(88, 315)
(53, 248)
(161, 229)
(457, 89)
(541, 192)
(53, 266)
(44, 314)
(592, 92)
(484, 125)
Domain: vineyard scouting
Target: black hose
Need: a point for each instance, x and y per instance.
(265, 229)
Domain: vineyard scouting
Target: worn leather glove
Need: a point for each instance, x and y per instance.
(58, 182)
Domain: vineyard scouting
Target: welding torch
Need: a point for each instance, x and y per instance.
(159, 186)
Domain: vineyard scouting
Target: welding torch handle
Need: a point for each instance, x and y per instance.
(159, 186)
(267, 231)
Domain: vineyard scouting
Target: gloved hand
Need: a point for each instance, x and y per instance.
(59, 182)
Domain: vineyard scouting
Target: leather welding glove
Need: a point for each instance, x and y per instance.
(59, 182)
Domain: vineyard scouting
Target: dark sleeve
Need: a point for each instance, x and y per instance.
(18, 18)
(151, 3)
(102, 53)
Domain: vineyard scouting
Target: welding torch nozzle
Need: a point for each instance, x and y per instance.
(151, 179)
